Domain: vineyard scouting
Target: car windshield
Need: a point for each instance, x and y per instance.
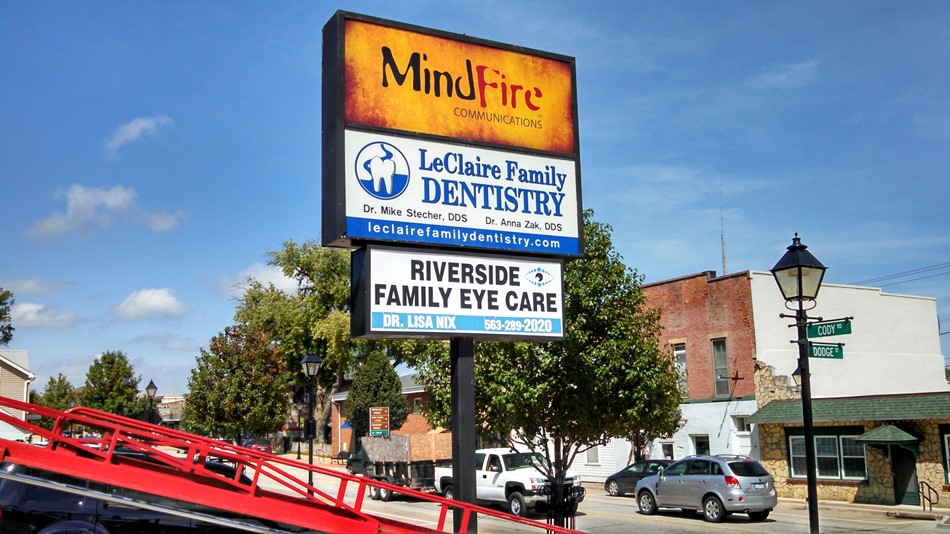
(521, 460)
(749, 468)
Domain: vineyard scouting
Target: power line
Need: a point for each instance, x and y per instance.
(903, 274)
(914, 279)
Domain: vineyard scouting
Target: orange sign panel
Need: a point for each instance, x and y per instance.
(422, 83)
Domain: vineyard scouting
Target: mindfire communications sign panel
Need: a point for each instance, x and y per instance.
(410, 293)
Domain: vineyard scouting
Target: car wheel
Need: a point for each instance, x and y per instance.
(713, 511)
(385, 494)
(759, 516)
(447, 492)
(516, 504)
(646, 502)
(374, 493)
(572, 508)
(613, 488)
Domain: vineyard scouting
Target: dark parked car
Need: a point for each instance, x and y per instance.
(625, 480)
(717, 485)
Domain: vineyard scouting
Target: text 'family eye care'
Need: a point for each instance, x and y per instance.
(476, 297)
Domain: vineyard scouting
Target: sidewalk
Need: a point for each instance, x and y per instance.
(900, 511)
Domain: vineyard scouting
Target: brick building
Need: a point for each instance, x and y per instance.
(342, 439)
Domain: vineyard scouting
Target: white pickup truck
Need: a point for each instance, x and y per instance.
(504, 476)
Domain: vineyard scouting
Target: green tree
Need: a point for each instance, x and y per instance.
(58, 394)
(111, 386)
(238, 387)
(376, 385)
(6, 326)
(607, 379)
(316, 318)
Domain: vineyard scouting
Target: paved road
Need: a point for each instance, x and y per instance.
(600, 513)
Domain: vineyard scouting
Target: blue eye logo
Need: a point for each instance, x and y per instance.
(538, 277)
(382, 170)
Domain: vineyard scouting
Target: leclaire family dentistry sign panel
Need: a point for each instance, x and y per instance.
(417, 191)
(400, 292)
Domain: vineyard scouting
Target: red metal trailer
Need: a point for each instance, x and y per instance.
(168, 465)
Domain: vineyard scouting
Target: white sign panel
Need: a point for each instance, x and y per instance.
(422, 192)
(413, 293)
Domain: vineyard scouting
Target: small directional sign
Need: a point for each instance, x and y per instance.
(379, 421)
(821, 350)
(832, 328)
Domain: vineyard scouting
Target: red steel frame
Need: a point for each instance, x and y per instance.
(182, 476)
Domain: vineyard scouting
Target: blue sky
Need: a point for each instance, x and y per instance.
(153, 153)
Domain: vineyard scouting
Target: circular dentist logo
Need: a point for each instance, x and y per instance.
(382, 170)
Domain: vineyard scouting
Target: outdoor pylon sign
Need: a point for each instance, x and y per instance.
(379, 421)
(412, 293)
(439, 139)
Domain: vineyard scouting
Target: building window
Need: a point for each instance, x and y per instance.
(946, 454)
(720, 367)
(417, 405)
(593, 455)
(679, 354)
(838, 457)
(701, 444)
(667, 449)
(741, 422)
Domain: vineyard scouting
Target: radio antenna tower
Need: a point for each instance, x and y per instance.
(722, 231)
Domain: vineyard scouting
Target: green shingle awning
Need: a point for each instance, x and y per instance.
(852, 409)
(886, 435)
(890, 435)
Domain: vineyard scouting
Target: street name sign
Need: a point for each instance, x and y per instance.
(826, 351)
(831, 328)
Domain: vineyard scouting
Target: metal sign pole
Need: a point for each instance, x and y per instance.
(462, 351)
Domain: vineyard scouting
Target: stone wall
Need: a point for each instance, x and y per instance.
(879, 486)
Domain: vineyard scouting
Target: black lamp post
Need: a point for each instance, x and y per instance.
(799, 276)
(311, 364)
(150, 390)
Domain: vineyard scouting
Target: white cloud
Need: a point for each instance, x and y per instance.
(95, 207)
(32, 315)
(786, 76)
(266, 274)
(133, 130)
(31, 286)
(167, 342)
(161, 221)
(147, 303)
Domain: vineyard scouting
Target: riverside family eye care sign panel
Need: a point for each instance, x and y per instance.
(409, 293)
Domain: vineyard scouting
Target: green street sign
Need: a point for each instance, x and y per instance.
(819, 350)
(834, 328)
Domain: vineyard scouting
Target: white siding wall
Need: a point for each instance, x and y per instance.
(612, 458)
(894, 346)
(715, 420)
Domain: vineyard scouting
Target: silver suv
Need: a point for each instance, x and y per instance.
(717, 485)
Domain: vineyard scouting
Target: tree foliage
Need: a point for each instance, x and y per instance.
(58, 394)
(376, 385)
(238, 387)
(316, 318)
(606, 379)
(111, 386)
(6, 325)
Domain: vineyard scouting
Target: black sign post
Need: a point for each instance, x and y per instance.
(462, 351)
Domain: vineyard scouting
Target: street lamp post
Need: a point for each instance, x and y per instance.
(311, 364)
(799, 274)
(150, 390)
